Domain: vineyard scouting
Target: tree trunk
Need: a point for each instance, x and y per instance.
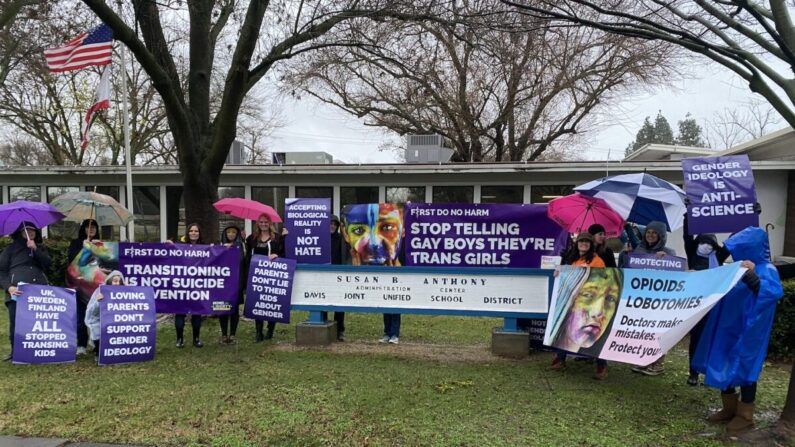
(200, 192)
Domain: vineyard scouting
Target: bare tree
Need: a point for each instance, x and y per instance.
(495, 94)
(754, 40)
(733, 126)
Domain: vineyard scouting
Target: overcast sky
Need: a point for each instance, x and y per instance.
(310, 125)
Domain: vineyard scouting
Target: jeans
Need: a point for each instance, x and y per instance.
(695, 336)
(195, 323)
(226, 319)
(339, 317)
(82, 329)
(392, 325)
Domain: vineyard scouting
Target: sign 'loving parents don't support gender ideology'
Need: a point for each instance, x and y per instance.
(721, 194)
(195, 279)
(128, 325)
(631, 315)
(45, 325)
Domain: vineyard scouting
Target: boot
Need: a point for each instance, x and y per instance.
(729, 408)
(743, 420)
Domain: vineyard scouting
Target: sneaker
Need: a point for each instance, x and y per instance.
(180, 343)
(197, 343)
(232, 340)
(639, 369)
(692, 380)
(655, 369)
(384, 339)
(394, 340)
(557, 364)
(81, 350)
(341, 336)
(224, 340)
(601, 373)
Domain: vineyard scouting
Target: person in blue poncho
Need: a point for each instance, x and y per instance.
(733, 345)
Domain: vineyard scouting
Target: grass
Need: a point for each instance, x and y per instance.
(439, 387)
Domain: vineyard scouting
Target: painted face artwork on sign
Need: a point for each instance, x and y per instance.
(591, 311)
(374, 231)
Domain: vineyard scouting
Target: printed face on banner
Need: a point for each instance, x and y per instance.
(89, 269)
(374, 232)
(592, 297)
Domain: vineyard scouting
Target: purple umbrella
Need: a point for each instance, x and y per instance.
(13, 214)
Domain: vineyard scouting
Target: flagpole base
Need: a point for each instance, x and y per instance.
(314, 334)
(511, 344)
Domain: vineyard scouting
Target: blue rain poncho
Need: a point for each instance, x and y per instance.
(733, 346)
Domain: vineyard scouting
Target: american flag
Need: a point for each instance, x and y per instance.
(92, 48)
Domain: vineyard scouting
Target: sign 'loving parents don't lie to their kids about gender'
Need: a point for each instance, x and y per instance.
(128, 325)
(270, 288)
(45, 325)
(721, 194)
(195, 279)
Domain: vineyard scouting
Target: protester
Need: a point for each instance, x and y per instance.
(583, 253)
(231, 237)
(339, 255)
(733, 345)
(23, 261)
(654, 239)
(600, 245)
(374, 233)
(265, 241)
(114, 278)
(86, 235)
(703, 252)
(193, 237)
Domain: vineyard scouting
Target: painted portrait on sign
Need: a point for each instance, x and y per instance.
(586, 304)
(374, 231)
(90, 267)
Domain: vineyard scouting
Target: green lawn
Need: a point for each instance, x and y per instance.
(439, 387)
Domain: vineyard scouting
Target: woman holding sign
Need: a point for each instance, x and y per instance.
(232, 237)
(264, 240)
(23, 261)
(87, 235)
(193, 237)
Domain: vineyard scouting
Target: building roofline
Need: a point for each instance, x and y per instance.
(749, 146)
(674, 149)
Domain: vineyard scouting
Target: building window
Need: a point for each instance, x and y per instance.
(453, 194)
(146, 201)
(314, 192)
(225, 220)
(501, 194)
(545, 193)
(63, 229)
(29, 193)
(271, 195)
(352, 195)
(405, 194)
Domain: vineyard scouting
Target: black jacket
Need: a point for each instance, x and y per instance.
(339, 250)
(19, 264)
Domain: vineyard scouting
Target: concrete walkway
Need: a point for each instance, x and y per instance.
(17, 441)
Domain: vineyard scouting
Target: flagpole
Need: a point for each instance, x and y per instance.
(127, 156)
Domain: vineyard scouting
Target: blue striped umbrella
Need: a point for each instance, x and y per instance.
(640, 198)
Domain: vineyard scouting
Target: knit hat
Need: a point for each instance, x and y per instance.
(596, 228)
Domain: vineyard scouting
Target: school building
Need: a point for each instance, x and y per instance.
(159, 213)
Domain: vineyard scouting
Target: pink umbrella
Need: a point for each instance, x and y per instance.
(576, 212)
(246, 209)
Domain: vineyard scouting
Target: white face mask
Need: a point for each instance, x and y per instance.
(704, 250)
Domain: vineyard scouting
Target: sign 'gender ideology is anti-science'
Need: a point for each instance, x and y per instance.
(721, 194)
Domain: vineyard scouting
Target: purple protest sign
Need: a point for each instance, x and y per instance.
(46, 325)
(721, 194)
(195, 279)
(652, 262)
(480, 235)
(128, 325)
(307, 221)
(270, 289)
